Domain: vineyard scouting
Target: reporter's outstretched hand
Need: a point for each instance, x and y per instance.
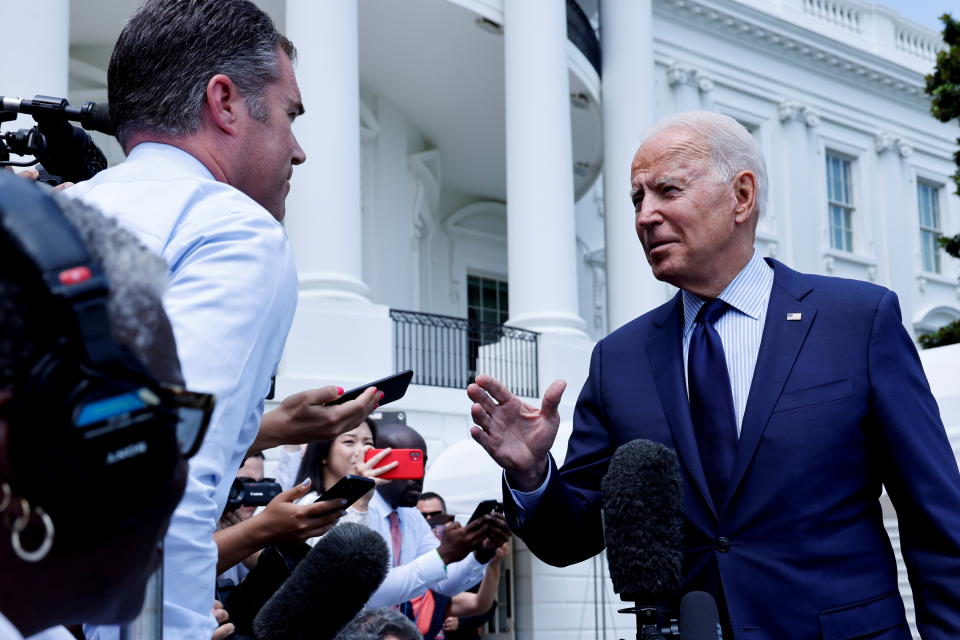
(306, 417)
(516, 435)
(457, 541)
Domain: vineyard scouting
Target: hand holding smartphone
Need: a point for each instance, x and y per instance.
(409, 463)
(393, 387)
(349, 488)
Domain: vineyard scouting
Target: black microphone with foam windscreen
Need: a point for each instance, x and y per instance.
(643, 531)
(328, 588)
(699, 617)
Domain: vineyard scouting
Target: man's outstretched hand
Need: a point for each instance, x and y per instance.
(516, 435)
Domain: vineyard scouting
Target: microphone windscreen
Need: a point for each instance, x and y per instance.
(699, 617)
(98, 119)
(328, 587)
(643, 521)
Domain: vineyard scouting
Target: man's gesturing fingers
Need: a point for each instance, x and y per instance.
(549, 406)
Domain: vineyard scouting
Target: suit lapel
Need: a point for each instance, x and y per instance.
(781, 343)
(665, 351)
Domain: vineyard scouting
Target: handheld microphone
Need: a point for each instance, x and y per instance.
(699, 617)
(643, 531)
(643, 521)
(328, 587)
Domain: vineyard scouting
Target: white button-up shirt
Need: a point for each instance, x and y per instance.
(231, 300)
(420, 565)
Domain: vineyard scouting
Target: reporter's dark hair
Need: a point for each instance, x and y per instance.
(375, 624)
(169, 50)
(312, 464)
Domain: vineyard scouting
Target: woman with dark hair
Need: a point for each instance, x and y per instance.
(326, 462)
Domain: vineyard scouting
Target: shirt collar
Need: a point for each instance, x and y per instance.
(379, 506)
(746, 292)
(160, 152)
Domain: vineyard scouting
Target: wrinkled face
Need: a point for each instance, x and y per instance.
(252, 468)
(342, 449)
(684, 216)
(270, 147)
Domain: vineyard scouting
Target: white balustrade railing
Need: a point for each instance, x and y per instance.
(842, 14)
(918, 44)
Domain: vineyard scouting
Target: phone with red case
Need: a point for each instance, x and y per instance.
(410, 465)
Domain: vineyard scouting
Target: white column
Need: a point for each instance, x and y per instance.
(323, 208)
(801, 171)
(684, 80)
(37, 51)
(628, 109)
(338, 335)
(897, 225)
(541, 233)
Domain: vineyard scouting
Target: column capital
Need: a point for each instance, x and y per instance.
(887, 141)
(792, 110)
(680, 73)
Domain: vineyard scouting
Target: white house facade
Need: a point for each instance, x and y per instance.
(464, 205)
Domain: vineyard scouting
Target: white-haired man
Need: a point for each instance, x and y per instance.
(791, 400)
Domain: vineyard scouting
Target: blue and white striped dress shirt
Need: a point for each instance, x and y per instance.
(740, 328)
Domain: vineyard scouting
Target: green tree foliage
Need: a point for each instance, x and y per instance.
(943, 87)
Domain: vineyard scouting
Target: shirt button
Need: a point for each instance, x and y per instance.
(723, 544)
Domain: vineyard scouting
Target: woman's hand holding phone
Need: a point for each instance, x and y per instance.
(369, 469)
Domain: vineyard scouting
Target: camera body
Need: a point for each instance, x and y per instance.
(247, 492)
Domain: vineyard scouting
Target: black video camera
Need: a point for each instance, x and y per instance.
(247, 492)
(68, 154)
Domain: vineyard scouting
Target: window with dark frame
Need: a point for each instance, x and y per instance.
(488, 310)
(840, 201)
(928, 204)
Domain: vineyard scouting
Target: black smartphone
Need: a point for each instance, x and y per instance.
(350, 488)
(393, 388)
(485, 507)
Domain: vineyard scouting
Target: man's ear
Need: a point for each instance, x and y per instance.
(745, 194)
(224, 104)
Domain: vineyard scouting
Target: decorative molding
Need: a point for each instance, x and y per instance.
(704, 81)
(921, 284)
(828, 264)
(680, 73)
(768, 33)
(886, 141)
(792, 110)
(872, 273)
(596, 261)
(425, 169)
(369, 125)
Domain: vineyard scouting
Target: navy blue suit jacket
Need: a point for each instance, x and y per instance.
(839, 406)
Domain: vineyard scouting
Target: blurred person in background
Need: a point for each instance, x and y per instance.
(419, 560)
(379, 624)
(442, 617)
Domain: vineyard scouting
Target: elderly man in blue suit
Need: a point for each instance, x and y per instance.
(791, 401)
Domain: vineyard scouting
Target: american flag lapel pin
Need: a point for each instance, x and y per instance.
(794, 316)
